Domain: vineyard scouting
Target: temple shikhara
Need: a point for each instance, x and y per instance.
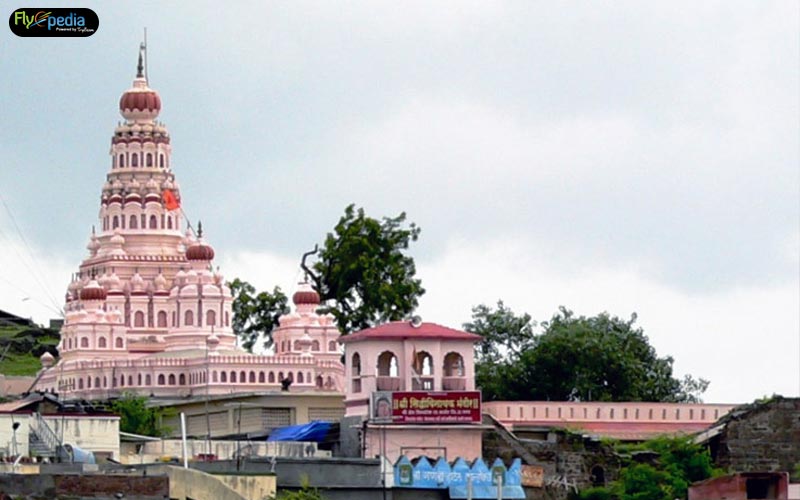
(147, 313)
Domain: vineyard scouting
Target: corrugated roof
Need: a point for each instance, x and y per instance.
(398, 330)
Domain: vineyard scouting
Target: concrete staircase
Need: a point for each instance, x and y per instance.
(42, 441)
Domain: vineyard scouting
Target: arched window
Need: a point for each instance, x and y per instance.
(169, 222)
(153, 222)
(252, 378)
(182, 379)
(84, 342)
(97, 381)
(233, 377)
(355, 366)
(319, 381)
(260, 377)
(121, 160)
(387, 364)
(138, 319)
(290, 376)
(161, 319)
(135, 160)
(315, 345)
(299, 377)
(149, 159)
(148, 380)
(223, 377)
(242, 377)
(453, 365)
(80, 383)
(161, 160)
(332, 346)
(171, 379)
(130, 379)
(122, 380)
(214, 376)
(118, 343)
(296, 346)
(105, 382)
(115, 222)
(188, 318)
(211, 318)
(280, 377)
(144, 221)
(69, 344)
(161, 379)
(88, 382)
(423, 363)
(139, 379)
(133, 223)
(271, 377)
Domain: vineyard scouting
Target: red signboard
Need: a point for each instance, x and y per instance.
(421, 407)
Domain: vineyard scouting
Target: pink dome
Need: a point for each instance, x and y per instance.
(93, 291)
(140, 100)
(305, 295)
(200, 251)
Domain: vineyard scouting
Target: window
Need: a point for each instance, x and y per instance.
(356, 365)
(423, 363)
(171, 379)
(242, 377)
(261, 377)
(223, 377)
(118, 344)
(252, 378)
(84, 342)
(138, 319)
(271, 377)
(300, 377)
(133, 224)
(88, 382)
(134, 160)
(233, 377)
(97, 381)
(139, 379)
(169, 222)
(296, 345)
(315, 345)
(332, 346)
(148, 380)
(188, 318)
(161, 160)
(153, 222)
(115, 222)
(121, 160)
(162, 319)
(182, 379)
(227, 319)
(453, 365)
(80, 383)
(214, 376)
(161, 379)
(149, 159)
(387, 364)
(211, 318)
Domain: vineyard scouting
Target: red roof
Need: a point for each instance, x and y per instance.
(398, 330)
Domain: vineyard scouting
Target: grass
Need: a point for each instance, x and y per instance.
(19, 358)
(20, 364)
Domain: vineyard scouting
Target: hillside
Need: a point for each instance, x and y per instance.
(21, 346)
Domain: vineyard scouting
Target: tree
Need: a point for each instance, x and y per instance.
(256, 315)
(364, 270)
(136, 417)
(600, 358)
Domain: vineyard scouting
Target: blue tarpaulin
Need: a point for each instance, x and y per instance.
(315, 431)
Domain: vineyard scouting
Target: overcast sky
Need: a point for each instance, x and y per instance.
(604, 156)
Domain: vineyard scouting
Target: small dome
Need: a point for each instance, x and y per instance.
(47, 359)
(200, 251)
(212, 340)
(160, 282)
(140, 102)
(93, 291)
(305, 295)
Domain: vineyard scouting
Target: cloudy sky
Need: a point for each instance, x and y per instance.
(620, 157)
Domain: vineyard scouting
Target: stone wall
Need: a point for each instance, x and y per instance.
(763, 437)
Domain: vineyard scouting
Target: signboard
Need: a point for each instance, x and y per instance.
(532, 475)
(460, 478)
(424, 407)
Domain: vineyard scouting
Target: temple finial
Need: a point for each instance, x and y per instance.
(140, 66)
(199, 229)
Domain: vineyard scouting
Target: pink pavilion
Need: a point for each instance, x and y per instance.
(145, 313)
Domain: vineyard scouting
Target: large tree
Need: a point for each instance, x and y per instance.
(575, 358)
(255, 315)
(364, 272)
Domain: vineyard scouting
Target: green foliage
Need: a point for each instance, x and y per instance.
(599, 358)
(255, 315)
(23, 345)
(306, 492)
(136, 417)
(362, 267)
(680, 463)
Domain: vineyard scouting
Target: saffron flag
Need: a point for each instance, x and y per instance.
(170, 201)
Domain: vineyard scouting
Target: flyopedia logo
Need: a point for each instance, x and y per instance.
(53, 22)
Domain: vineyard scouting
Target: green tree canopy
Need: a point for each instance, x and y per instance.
(136, 417)
(255, 315)
(575, 358)
(363, 269)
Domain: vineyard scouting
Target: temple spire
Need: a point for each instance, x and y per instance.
(140, 66)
